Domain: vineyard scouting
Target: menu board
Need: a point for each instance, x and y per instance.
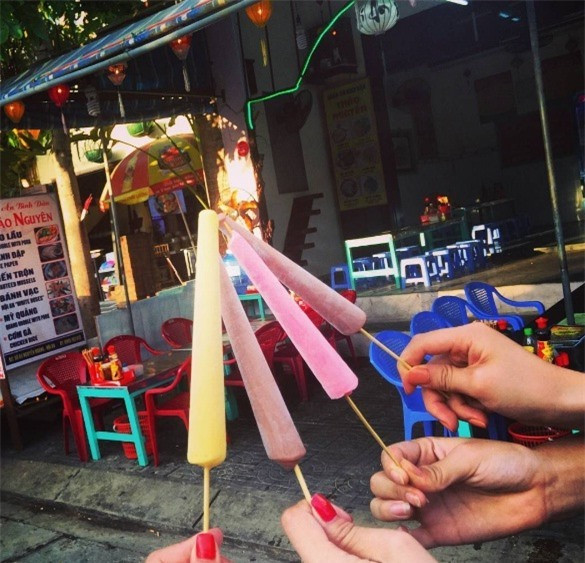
(39, 313)
(354, 146)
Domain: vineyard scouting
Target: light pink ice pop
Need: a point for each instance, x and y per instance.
(328, 367)
(277, 430)
(346, 317)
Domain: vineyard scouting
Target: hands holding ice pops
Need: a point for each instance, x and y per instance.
(476, 369)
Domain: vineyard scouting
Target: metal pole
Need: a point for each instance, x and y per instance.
(120, 260)
(549, 163)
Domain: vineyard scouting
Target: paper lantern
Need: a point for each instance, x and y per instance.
(14, 111)
(116, 74)
(181, 47)
(59, 95)
(260, 12)
(243, 148)
(375, 16)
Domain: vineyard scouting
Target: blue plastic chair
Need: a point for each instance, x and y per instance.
(413, 407)
(425, 321)
(483, 297)
(455, 311)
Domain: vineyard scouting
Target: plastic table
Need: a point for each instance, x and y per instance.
(254, 298)
(157, 371)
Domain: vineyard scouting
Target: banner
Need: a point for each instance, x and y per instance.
(39, 313)
(354, 146)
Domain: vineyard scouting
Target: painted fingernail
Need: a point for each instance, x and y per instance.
(397, 477)
(477, 422)
(205, 547)
(419, 375)
(323, 507)
(400, 509)
(413, 500)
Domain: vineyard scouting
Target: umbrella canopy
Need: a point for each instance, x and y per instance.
(158, 168)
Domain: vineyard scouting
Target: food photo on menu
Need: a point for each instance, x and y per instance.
(66, 324)
(44, 235)
(50, 252)
(59, 288)
(54, 270)
(62, 306)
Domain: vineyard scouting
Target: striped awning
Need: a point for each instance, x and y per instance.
(153, 77)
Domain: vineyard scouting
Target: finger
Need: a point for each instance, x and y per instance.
(401, 497)
(207, 546)
(177, 552)
(391, 510)
(461, 406)
(371, 544)
(308, 537)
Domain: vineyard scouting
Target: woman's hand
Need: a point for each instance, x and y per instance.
(200, 548)
(324, 532)
(476, 369)
(465, 490)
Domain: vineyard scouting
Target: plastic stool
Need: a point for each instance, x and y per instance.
(447, 261)
(341, 273)
(417, 269)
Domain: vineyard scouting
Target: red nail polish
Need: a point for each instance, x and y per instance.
(323, 507)
(205, 547)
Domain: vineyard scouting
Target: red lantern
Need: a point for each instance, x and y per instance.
(260, 12)
(116, 74)
(59, 95)
(181, 47)
(243, 148)
(14, 111)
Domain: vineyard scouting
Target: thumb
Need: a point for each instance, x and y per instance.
(442, 377)
(371, 544)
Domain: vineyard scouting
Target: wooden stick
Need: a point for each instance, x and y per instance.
(370, 429)
(205, 499)
(302, 483)
(385, 348)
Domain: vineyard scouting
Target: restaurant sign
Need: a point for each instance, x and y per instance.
(39, 313)
(355, 152)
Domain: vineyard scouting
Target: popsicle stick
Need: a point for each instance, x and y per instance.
(370, 429)
(205, 499)
(385, 348)
(302, 483)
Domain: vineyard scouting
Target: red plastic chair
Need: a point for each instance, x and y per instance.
(334, 336)
(177, 405)
(129, 348)
(178, 332)
(60, 375)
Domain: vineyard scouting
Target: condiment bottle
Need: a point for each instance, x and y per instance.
(115, 364)
(529, 342)
(543, 346)
(503, 327)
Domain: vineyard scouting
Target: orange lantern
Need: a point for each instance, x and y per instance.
(180, 47)
(59, 95)
(116, 74)
(260, 12)
(14, 111)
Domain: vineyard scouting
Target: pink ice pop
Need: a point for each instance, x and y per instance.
(346, 317)
(331, 371)
(277, 430)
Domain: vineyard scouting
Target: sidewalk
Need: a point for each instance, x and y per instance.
(249, 492)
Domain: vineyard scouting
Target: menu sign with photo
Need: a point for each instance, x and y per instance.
(39, 313)
(354, 146)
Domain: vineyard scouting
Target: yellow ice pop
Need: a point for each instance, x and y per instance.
(207, 432)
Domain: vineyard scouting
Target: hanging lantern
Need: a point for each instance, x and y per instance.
(300, 35)
(59, 95)
(14, 111)
(116, 74)
(260, 12)
(243, 148)
(375, 16)
(181, 47)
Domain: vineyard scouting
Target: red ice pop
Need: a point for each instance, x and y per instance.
(346, 317)
(277, 430)
(331, 371)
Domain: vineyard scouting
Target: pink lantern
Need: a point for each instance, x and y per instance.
(181, 47)
(116, 74)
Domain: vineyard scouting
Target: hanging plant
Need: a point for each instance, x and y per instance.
(140, 129)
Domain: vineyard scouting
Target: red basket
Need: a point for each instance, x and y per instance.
(531, 436)
(122, 425)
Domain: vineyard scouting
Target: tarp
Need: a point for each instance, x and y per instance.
(153, 86)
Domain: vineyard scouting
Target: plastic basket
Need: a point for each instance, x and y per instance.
(122, 425)
(531, 436)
